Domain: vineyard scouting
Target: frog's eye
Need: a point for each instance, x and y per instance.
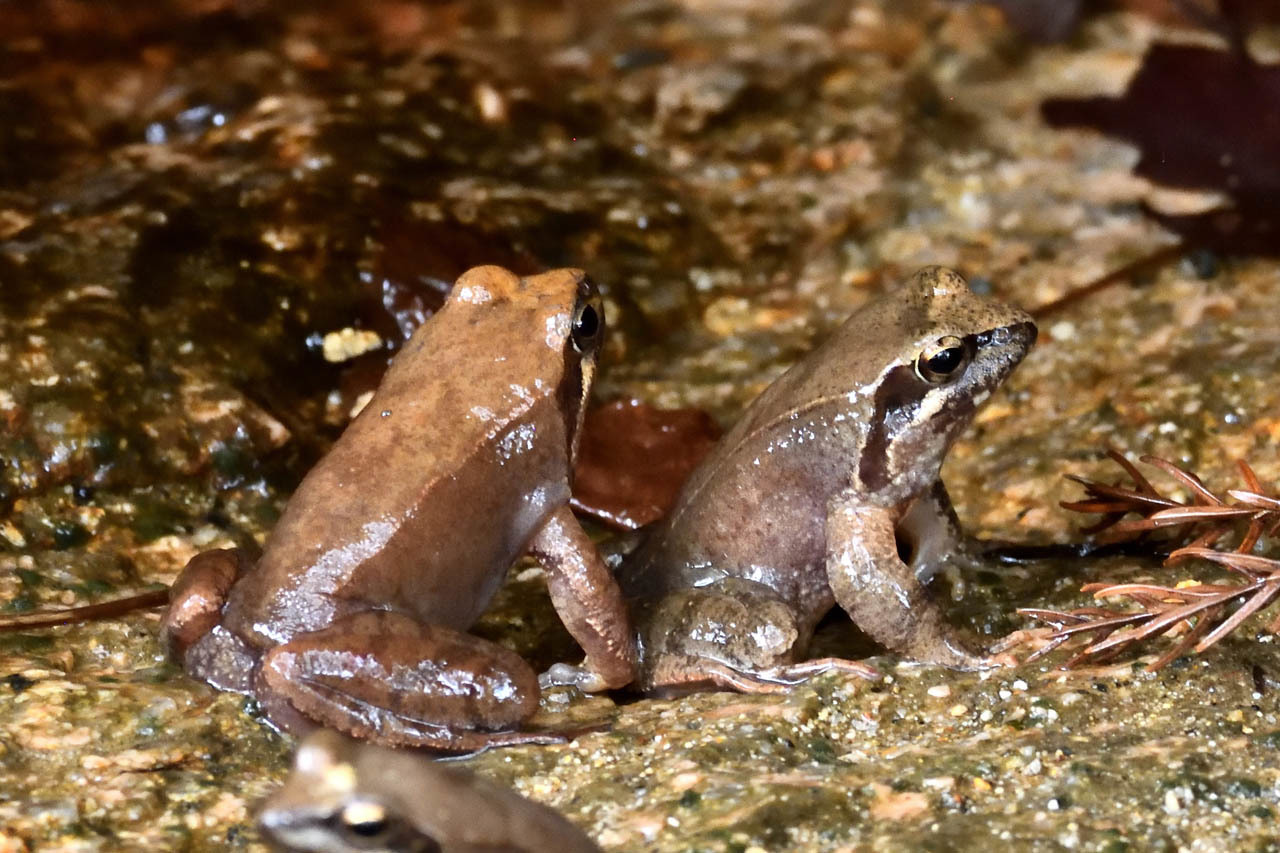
(365, 820)
(588, 322)
(942, 360)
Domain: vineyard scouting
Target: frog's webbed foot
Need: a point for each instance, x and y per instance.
(884, 596)
(675, 674)
(794, 673)
(384, 677)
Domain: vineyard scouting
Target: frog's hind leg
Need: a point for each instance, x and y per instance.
(732, 635)
(385, 677)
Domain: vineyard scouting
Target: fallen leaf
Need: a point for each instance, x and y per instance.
(1205, 119)
(633, 458)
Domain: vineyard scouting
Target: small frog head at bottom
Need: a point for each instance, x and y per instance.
(344, 796)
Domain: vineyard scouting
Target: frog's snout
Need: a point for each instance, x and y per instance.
(1021, 335)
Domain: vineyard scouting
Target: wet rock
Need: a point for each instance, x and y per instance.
(192, 192)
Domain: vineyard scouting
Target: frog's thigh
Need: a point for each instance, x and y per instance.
(385, 677)
(881, 593)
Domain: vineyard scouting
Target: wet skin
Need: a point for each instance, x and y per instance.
(344, 796)
(392, 546)
(807, 500)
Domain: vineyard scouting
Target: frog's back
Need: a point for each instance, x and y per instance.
(756, 506)
(438, 484)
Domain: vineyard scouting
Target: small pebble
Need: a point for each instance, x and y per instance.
(349, 343)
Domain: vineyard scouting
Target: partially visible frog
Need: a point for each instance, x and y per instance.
(391, 547)
(827, 491)
(344, 796)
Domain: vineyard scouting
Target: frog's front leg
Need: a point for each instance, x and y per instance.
(589, 602)
(384, 677)
(882, 594)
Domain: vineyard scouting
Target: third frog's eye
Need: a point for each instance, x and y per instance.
(587, 323)
(943, 360)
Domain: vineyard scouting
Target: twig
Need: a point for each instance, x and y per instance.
(1156, 511)
(1199, 614)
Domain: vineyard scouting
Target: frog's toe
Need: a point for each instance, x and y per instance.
(197, 598)
(969, 662)
(998, 660)
(675, 675)
(1024, 638)
(568, 675)
(795, 673)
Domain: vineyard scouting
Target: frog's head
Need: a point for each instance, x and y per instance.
(576, 328)
(548, 329)
(953, 348)
(342, 796)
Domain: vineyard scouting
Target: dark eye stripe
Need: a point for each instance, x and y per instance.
(896, 401)
(895, 405)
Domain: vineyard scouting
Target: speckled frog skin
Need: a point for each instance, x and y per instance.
(391, 547)
(812, 497)
(344, 796)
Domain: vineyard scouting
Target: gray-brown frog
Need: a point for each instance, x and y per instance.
(354, 617)
(344, 796)
(812, 497)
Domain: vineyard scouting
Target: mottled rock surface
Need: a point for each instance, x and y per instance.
(193, 193)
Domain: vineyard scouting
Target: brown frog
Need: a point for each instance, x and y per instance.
(344, 796)
(825, 492)
(354, 616)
